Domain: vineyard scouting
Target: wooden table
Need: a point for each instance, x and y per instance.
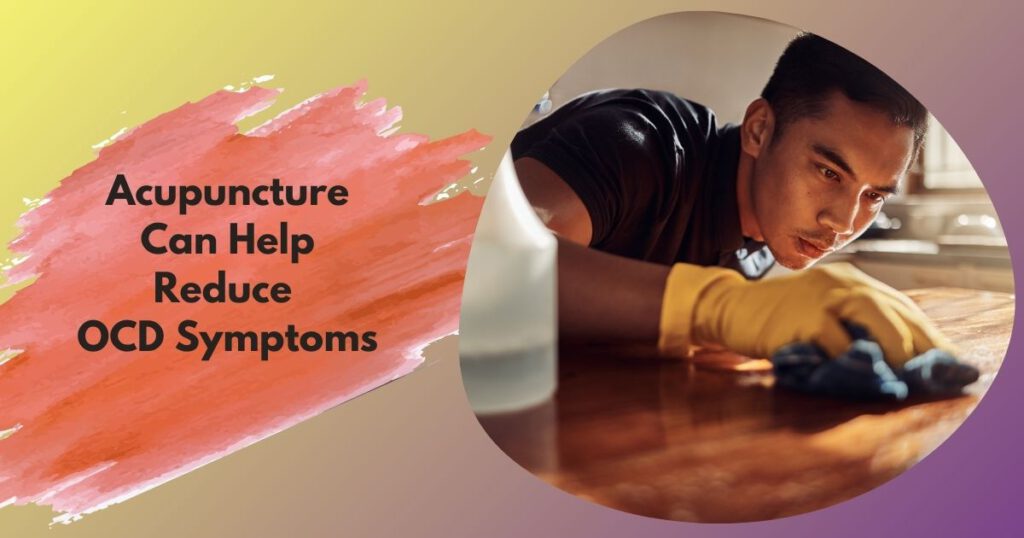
(669, 439)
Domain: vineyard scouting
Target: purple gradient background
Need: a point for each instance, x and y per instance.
(967, 68)
(409, 459)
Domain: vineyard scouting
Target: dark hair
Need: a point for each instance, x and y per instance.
(812, 67)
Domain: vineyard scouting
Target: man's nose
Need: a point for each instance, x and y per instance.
(841, 215)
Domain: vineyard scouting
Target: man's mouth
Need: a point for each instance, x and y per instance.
(811, 249)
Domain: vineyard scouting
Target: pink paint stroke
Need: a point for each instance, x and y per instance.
(92, 429)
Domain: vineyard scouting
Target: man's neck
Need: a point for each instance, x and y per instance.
(744, 197)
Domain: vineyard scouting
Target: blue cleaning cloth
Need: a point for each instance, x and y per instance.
(861, 372)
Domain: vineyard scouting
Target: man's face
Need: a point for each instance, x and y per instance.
(821, 183)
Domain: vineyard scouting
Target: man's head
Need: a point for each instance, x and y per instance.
(828, 141)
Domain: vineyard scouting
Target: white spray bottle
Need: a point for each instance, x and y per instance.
(508, 324)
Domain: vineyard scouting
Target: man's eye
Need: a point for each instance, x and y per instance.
(828, 173)
(875, 197)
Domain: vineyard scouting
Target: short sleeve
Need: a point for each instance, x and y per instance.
(615, 158)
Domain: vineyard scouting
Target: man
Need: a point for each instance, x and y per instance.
(667, 220)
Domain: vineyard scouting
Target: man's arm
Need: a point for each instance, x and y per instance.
(601, 296)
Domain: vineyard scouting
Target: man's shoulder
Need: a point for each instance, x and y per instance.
(634, 97)
(657, 114)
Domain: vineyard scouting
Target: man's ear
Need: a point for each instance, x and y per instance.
(758, 126)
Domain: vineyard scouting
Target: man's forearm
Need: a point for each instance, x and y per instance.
(601, 297)
(607, 298)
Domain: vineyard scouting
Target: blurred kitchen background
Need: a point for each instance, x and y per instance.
(942, 231)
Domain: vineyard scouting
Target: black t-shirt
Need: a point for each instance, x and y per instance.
(656, 173)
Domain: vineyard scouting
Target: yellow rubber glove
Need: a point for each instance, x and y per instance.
(714, 305)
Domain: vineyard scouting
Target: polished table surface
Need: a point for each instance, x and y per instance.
(711, 440)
